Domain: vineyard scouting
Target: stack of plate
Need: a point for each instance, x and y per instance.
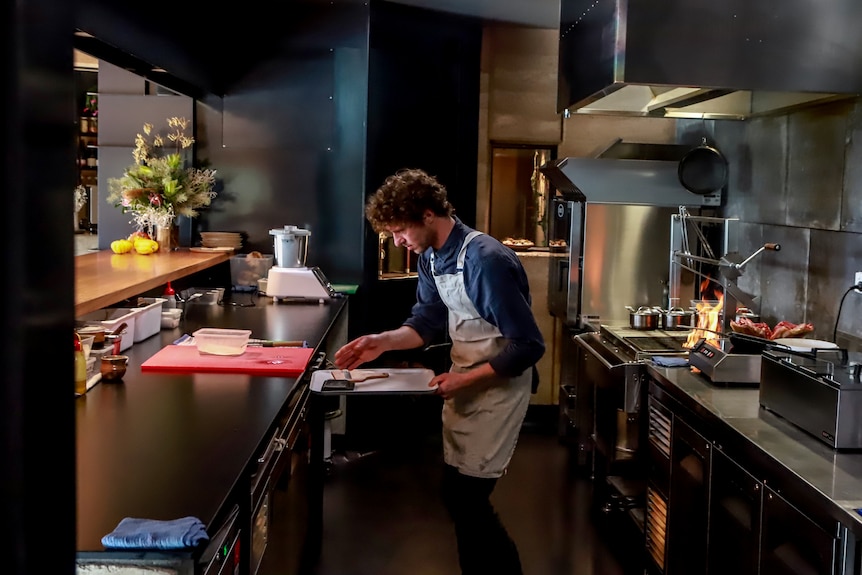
(221, 240)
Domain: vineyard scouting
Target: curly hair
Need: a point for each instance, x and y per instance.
(403, 199)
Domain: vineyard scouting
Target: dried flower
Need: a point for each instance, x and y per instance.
(158, 186)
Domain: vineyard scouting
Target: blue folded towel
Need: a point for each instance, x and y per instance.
(134, 533)
(669, 361)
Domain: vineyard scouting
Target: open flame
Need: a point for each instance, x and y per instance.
(708, 322)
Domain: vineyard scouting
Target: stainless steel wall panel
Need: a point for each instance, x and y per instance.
(760, 168)
(851, 201)
(834, 259)
(750, 238)
(626, 253)
(804, 152)
(784, 275)
(815, 169)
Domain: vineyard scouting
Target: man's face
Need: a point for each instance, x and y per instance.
(415, 237)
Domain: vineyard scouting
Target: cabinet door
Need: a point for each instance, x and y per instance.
(688, 501)
(791, 543)
(734, 518)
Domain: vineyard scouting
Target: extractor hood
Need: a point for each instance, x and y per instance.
(627, 173)
(732, 59)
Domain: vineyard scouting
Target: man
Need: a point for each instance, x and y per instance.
(479, 286)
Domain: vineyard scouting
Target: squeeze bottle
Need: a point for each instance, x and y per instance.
(170, 297)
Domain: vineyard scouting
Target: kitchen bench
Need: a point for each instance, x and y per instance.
(170, 445)
(782, 492)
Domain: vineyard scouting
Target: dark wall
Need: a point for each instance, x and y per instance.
(288, 142)
(198, 50)
(310, 115)
(423, 107)
(37, 425)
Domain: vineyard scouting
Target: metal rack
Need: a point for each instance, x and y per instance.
(688, 231)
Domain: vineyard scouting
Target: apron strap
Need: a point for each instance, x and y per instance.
(459, 264)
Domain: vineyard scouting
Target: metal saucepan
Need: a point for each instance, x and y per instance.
(678, 318)
(644, 317)
(703, 170)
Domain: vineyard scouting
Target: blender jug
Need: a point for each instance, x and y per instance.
(291, 246)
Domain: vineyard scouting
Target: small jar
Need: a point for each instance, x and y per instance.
(113, 367)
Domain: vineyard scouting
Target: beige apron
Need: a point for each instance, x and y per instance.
(481, 423)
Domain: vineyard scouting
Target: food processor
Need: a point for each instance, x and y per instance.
(289, 279)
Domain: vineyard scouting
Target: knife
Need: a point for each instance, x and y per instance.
(271, 343)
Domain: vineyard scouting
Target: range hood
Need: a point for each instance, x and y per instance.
(627, 173)
(732, 59)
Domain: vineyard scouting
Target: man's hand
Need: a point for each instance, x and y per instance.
(369, 347)
(361, 350)
(450, 383)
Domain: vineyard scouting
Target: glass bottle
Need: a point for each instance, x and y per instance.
(80, 368)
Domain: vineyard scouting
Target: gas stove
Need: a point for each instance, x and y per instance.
(645, 343)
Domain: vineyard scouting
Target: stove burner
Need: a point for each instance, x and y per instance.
(648, 344)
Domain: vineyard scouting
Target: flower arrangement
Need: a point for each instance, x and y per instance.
(80, 198)
(158, 187)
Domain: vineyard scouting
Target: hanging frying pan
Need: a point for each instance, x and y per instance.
(703, 170)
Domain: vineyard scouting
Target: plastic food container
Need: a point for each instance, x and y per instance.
(149, 318)
(171, 318)
(245, 271)
(110, 319)
(219, 341)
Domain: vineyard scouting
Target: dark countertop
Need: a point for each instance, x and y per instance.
(833, 477)
(165, 446)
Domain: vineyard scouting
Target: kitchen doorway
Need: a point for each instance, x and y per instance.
(519, 192)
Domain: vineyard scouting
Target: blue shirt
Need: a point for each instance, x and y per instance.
(498, 288)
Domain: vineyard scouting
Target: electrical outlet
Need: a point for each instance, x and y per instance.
(858, 279)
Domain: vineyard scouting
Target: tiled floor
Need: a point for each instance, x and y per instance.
(383, 516)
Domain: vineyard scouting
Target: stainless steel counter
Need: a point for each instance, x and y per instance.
(832, 476)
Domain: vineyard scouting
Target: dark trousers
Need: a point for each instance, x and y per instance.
(484, 546)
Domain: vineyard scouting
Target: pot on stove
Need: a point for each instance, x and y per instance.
(644, 317)
(677, 318)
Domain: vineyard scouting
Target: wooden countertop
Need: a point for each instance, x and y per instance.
(104, 278)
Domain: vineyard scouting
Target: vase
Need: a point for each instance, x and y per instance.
(168, 237)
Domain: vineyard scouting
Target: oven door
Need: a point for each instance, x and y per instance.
(617, 385)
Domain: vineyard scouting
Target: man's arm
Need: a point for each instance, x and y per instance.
(369, 347)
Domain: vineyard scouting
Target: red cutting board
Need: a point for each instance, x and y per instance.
(285, 361)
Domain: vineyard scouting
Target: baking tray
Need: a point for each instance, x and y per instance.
(400, 380)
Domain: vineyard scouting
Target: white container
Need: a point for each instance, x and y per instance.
(171, 318)
(218, 341)
(110, 319)
(149, 319)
